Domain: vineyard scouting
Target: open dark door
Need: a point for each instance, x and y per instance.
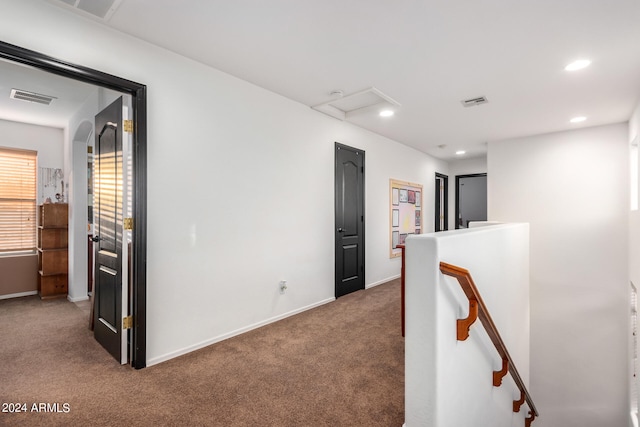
(48, 64)
(442, 202)
(349, 219)
(108, 229)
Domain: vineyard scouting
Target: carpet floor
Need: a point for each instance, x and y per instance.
(341, 364)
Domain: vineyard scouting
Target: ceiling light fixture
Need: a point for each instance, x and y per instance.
(460, 152)
(386, 113)
(578, 65)
(578, 119)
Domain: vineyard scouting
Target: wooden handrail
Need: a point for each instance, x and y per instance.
(478, 309)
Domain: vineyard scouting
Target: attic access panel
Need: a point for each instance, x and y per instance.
(101, 9)
(341, 108)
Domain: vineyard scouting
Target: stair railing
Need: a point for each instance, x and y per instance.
(478, 309)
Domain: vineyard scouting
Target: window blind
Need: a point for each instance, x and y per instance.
(17, 200)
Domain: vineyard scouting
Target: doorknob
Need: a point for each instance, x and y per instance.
(96, 238)
(341, 230)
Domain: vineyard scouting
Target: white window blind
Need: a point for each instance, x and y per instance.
(17, 200)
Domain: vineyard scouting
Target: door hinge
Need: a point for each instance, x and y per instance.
(127, 223)
(127, 126)
(127, 322)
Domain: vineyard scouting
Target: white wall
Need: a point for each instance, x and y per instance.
(80, 128)
(462, 167)
(47, 141)
(382, 163)
(448, 382)
(240, 186)
(78, 135)
(634, 233)
(634, 219)
(572, 187)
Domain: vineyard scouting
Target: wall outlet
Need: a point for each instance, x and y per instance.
(283, 286)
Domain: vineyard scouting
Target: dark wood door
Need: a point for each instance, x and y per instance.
(108, 229)
(349, 219)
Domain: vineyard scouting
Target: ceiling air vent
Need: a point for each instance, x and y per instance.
(474, 101)
(24, 95)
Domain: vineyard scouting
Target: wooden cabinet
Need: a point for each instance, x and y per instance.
(52, 242)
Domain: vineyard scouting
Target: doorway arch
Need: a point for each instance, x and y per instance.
(78, 200)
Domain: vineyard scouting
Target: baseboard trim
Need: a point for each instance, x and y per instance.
(84, 298)
(206, 343)
(381, 282)
(19, 294)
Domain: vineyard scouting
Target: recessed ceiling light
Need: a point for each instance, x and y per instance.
(386, 113)
(460, 152)
(578, 65)
(578, 119)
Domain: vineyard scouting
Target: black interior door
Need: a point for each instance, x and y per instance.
(442, 202)
(349, 219)
(108, 229)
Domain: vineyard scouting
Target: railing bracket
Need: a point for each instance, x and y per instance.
(528, 421)
(465, 324)
(498, 375)
(518, 403)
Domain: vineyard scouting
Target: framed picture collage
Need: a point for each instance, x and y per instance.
(405, 213)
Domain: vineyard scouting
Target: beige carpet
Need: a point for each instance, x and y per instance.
(341, 364)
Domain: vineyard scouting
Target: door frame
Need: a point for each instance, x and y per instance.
(472, 175)
(444, 201)
(138, 94)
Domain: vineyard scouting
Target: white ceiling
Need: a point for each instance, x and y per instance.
(69, 95)
(427, 55)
